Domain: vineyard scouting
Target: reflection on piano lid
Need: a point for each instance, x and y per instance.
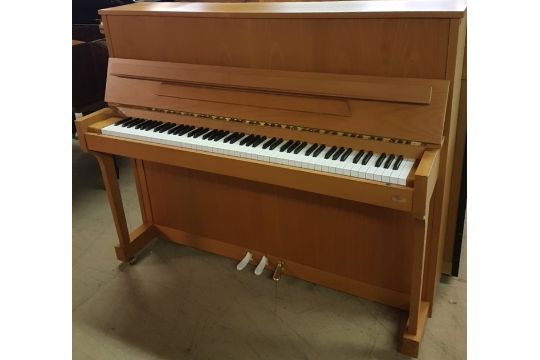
(357, 163)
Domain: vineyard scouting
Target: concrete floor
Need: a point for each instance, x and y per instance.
(179, 303)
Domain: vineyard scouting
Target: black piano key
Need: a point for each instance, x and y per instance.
(157, 128)
(121, 121)
(236, 138)
(246, 139)
(239, 136)
(367, 157)
(293, 146)
(258, 141)
(275, 144)
(136, 122)
(269, 142)
(151, 126)
(167, 127)
(311, 149)
(214, 135)
(300, 147)
(208, 134)
(338, 153)
(380, 160)
(398, 162)
(129, 122)
(174, 128)
(141, 121)
(319, 150)
(178, 129)
(203, 132)
(200, 133)
(229, 137)
(221, 135)
(330, 152)
(389, 161)
(358, 156)
(253, 140)
(193, 132)
(286, 145)
(160, 126)
(186, 130)
(144, 123)
(346, 154)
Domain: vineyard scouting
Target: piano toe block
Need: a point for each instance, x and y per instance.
(410, 343)
(139, 238)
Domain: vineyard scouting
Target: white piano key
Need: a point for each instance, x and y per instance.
(377, 175)
(386, 173)
(370, 171)
(404, 173)
(300, 158)
(343, 167)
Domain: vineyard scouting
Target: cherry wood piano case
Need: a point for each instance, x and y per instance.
(360, 74)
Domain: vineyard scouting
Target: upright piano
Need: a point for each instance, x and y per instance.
(310, 138)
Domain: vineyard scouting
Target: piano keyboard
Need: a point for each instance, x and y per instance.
(363, 164)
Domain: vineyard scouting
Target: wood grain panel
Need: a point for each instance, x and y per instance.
(381, 47)
(349, 239)
(414, 91)
(383, 295)
(141, 83)
(316, 105)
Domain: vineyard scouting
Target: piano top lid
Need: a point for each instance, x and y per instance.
(324, 9)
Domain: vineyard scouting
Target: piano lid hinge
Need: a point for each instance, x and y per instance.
(281, 125)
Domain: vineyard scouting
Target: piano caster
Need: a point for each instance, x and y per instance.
(242, 264)
(278, 271)
(132, 261)
(262, 264)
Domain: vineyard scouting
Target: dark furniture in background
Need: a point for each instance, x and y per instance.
(89, 58)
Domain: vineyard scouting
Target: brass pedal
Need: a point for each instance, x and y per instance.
(278, 271)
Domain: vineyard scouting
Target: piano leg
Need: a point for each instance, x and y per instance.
(418, 309)
(129, 243)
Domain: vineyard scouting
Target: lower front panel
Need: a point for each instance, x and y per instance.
(361, 242)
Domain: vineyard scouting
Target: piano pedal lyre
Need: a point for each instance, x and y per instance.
(278, 271)
(243, 263)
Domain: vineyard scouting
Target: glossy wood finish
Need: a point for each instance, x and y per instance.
(410, 109)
